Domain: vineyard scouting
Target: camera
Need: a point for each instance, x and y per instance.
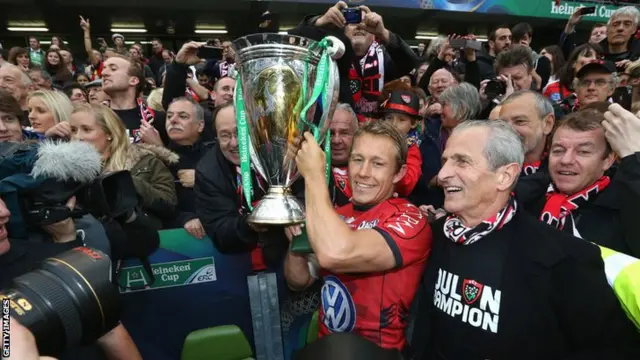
(495, 88)
(68, 301)
(352, 15)
(569, 103)
(110, 195)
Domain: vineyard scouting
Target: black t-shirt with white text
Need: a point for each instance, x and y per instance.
(467, 295)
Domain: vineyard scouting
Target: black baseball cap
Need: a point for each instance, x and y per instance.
(596, 66)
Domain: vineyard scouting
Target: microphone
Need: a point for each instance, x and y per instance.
(74, 161)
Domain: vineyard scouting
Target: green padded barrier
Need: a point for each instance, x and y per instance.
(226, 342)
(312, 332)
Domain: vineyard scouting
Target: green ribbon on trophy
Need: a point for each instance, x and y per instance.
(319, 91)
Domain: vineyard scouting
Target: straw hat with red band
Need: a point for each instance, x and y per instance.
(402, 102)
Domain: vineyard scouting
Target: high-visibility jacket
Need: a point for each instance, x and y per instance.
(623, 274)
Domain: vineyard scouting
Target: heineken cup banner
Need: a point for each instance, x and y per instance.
(530, 8)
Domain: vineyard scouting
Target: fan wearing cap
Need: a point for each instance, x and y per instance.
(403, 109)
(595, 82)
(118, 41)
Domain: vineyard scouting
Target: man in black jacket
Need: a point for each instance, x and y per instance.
(620, 45)
(380, 55)
(185, 124)
(579, 194)
(501, 285)
(220, 202)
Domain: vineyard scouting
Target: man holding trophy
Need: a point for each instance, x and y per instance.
(286, 92)
(371, 252)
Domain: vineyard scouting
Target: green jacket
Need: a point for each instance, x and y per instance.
(152, 179)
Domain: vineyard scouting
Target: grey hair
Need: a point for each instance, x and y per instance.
(434, 48)
(24, 77)
(198, 111)
(43, 73)
(612, 85)
(463, 100)
(503, 146)
(352, 114)
(625, 11)
(543, 105)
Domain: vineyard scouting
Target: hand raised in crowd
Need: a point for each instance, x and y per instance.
(194, 228)
(333, 16)
(622, 130)
(149, 134)
(188, 54)
(482, 91)
(60, 130)
(446, 52)
(65, 230)
(23, 343)
(575, 17)
(508, 82)
(84, 23)
(310, 159)
(372, 23)
(187, 177)
(623, 63)
(470, 53)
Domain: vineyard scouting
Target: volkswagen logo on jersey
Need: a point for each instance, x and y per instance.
(337, 306)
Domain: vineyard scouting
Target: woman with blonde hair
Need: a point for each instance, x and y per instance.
(148, 164)
(47, 108)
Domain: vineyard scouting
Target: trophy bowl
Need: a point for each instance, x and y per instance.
(277, 74)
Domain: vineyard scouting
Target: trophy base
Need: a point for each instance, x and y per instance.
(277, 207)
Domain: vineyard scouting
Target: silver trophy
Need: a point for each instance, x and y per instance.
(277, 78)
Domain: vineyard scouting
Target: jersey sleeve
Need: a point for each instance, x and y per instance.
(407, 233)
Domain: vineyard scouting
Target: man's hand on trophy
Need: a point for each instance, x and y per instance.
(333, 16)
(372, 23)
(188, 54)
(293, 230)
(311, 159)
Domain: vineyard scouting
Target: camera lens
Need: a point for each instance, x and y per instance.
(67, 302)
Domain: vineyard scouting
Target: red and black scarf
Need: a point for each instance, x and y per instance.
(367, 80)
(532, 167)
(559, 206)
(457, 232)
(147, 114)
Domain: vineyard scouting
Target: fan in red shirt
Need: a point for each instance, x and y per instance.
(370, 252)
(403, 110)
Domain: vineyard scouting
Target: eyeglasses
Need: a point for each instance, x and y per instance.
(598, 82)
(227, 137)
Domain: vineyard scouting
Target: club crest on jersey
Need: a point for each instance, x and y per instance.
(471, 290)
(339, 310)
